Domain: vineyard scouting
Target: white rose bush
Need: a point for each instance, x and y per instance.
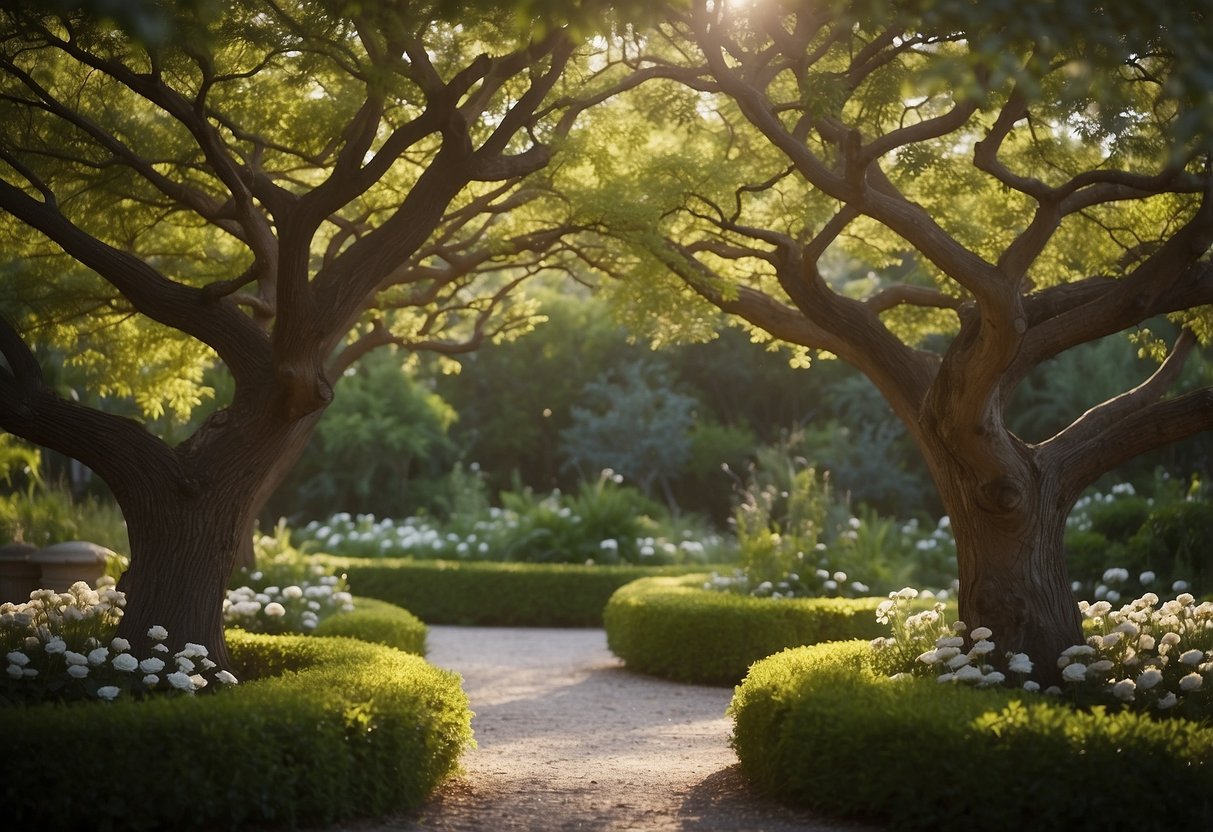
(1147, 655)
(60, 646)
(295, 608)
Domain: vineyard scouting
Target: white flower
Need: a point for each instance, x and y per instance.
(198, 681)
(1123, 690)
(1020, 663)
(1078, 650)
(981, 633)
(77, 671)
(907, 593)
(1149, 677)
(181, 681)
(949, 641)
(120, 645)
(1101, 666)
(1146, 578)
(983, 647)
(192, 650)
(275, 610)
(151, 665)
(125, 662)
(98, 655)
(55, 646)
(1074, 673)
(1168, 701)
(1192, 657)
(1191, 682)
(18, 658)
(929, 657)
(292, 592)
(958, 661)
(1111, 639)
(184, 664)
(1146, 642)
(151, 680)
(108, 692)
(1031, 686)
(225, 678)
(73, 658)
(157, 633)
(160, 648)
(14, 671)
(991, 679)
(968, 674)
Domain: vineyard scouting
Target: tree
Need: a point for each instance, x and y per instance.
(281, 188)
(1014, 195)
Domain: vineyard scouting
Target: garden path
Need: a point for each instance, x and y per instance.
(569, 740)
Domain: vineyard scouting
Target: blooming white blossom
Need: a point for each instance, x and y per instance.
(151, 665)
(1123, 690)
(983, 647)
(157, 633)
(1019, 663)
(55, 646)
(1074, 672)
(151, 680)
(108, 692)
(1149, 677)
(125, 662)
(276, 610)
(981, 633)
(17, 658)
(968, 674)
(226, 678)
(1168, 701)
(120, 645)
(1191, 682)
(74, 658)
(98, 655)
(77, 671)
(181, 681)
(1192, 657)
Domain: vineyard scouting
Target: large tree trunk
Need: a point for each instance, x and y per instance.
(1009, 534)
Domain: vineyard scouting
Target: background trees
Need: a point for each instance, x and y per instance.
(280, 190)
(1016, 194)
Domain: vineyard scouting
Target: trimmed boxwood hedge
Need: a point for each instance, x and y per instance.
(331, 728)
(379, 623)
(818, 726)
(491, 593)
(673, 628)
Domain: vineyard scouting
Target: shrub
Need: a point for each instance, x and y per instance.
(332, 729)
(819, 726)
(672, 627)
(488, 593)
(377, 622)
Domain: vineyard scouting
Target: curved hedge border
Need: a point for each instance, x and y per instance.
(331, 728)
(491, 593)
(673, 628)
(379, 623)
(818, 726)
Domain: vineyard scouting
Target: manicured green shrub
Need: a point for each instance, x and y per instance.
(379, 623)
(489, 593)
(818, 726)
(673, 628)
(322, 729)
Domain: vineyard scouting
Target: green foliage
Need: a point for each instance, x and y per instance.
(674, 628)
(1175, 540)
(491, 594)
(377, 622)
(345, 729)
(780, 520)
(44, 513)
(381, 446)
(818, 726)
(634, 421)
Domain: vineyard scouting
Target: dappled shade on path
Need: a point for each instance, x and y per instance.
(569, 740)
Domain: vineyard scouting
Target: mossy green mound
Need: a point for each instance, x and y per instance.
(672, 627)
(819, 726)
(325, 729)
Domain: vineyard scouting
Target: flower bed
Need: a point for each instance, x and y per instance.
(820, 726)
(352, 729)
(674, 628)
(491, 594)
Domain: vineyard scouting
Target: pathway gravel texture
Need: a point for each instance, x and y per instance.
(570, 740)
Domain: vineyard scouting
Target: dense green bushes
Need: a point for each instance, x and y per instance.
(673, 628)
(332, 728)
(488, 593)
(379, 623)
(816, 725)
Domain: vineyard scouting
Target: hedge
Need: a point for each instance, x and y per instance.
(818, 726)
(379, 623)
(673, 628)
(491, 593)
(329, 728)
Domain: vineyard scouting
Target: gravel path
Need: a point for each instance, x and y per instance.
(569, 740)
